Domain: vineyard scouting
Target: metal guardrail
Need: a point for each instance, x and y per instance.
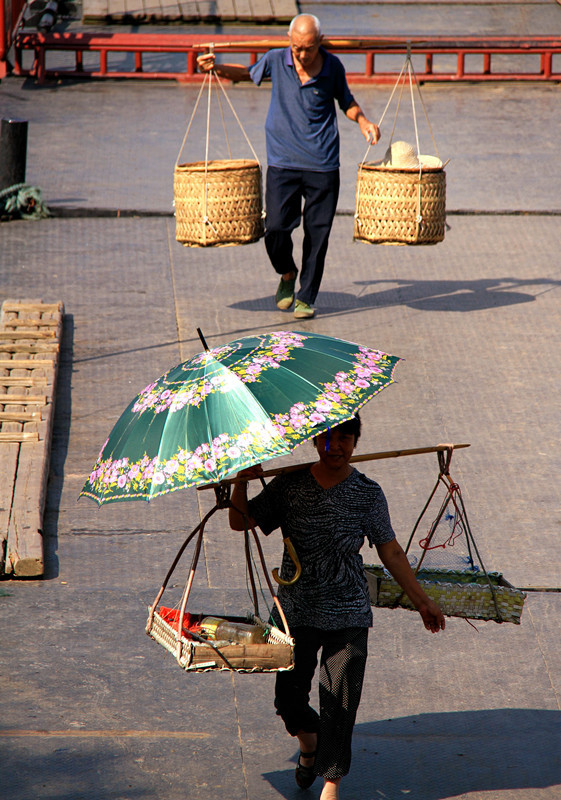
(123, 55)
(10, 15)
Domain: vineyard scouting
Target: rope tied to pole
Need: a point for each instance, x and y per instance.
(459, 519)
(217, 201)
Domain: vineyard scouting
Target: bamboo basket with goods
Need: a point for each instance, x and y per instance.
(401, 200)
(467, 591)
(217, 202)
(202, 642)
(459, 593)
(273, 653)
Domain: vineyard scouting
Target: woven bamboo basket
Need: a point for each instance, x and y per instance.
(218, 203)
(401, 206)
(275, 654)
(458, 593)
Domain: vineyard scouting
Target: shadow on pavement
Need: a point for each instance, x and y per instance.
(78, 772)
(59, 448)
(470, 751)
(453, 295)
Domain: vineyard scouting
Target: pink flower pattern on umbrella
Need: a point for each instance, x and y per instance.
(243, 375)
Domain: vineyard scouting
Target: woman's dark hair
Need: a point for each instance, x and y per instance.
(352, 426)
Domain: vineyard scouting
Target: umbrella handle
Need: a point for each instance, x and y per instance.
(295, 560)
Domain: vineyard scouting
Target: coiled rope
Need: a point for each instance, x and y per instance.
(22, 201)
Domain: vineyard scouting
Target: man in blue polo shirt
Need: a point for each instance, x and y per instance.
(302, 152)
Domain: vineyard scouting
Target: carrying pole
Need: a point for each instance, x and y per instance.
(353, 460)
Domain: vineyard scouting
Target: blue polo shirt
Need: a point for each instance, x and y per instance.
(301, 128)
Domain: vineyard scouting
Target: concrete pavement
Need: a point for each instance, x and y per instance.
(90, 707)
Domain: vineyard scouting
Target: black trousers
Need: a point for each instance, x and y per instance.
(342, 665)
(285, 190)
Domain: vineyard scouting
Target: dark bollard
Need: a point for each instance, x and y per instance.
(13, 152)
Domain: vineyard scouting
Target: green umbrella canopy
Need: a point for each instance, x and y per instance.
(227, 408)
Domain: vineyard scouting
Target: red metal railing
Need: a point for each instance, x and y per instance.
(128, 55)
(10, 14)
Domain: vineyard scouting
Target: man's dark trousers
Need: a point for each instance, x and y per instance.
(285, 190)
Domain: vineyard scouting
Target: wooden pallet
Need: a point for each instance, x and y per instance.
(208, 11)
(30, 338)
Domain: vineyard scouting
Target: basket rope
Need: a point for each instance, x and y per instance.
(208, 182)
(224, 124)
(222, 502)
(210, 76)
(410, 70)
(454, 495)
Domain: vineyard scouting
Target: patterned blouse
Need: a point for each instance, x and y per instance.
(327, 528)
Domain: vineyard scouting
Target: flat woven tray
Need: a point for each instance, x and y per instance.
(459, 593)
(275, 654)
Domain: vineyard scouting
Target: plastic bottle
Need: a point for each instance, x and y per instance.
(216, 628)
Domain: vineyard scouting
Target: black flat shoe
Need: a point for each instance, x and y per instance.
(305, 776)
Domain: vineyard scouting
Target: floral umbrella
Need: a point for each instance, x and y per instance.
(227, 408)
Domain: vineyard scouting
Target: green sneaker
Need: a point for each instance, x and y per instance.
(303, 310)
(285, 294)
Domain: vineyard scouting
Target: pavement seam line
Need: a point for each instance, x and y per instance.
(65, 212)
(110, 734)
(545, 660)
(174, 292)
(240, 737)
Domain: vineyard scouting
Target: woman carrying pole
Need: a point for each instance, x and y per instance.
(327, 510)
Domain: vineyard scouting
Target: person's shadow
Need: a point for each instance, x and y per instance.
(445, 755)
(424, 295)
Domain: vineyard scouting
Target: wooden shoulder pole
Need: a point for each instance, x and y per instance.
(269, 473)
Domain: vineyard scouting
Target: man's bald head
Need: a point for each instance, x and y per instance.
(306, 25)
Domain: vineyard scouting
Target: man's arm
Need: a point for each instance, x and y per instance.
(233, 72)
(369, 130)
(395, 561)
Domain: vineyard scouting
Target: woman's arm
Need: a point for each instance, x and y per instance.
(394, 559)
(237, 513)
(238, 516)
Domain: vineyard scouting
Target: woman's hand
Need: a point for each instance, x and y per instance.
(395, 561)
(250, 473)
(432, 616)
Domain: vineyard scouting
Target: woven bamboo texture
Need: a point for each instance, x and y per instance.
(458, 593)
(218, 203)
(400, 206)
(277, 653)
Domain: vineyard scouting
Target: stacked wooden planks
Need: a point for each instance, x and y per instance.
(30, 338)
(208, 11)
